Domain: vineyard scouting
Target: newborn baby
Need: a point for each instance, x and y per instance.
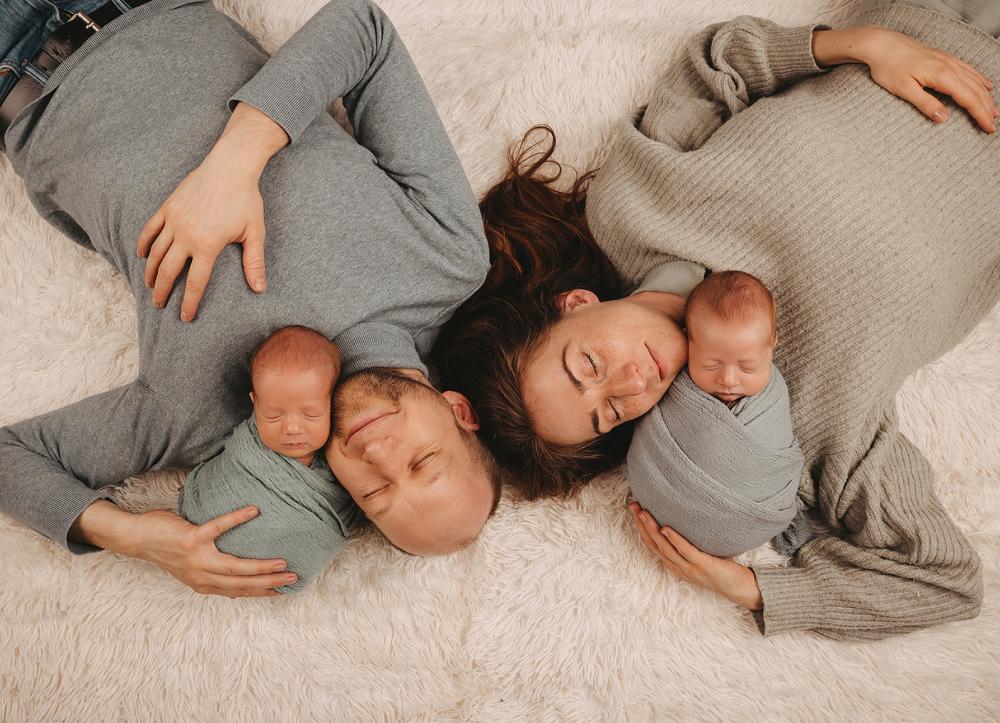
(716, 459)
(271, 461)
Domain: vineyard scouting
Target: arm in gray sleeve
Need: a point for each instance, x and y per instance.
(52, 465)
(350, 49)
(722, 71)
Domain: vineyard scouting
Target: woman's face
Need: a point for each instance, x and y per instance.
(602, 364)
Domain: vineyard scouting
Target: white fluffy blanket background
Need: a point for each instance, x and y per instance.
(557, 613)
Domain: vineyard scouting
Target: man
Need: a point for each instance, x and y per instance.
(372, 242)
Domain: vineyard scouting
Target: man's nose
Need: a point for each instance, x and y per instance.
(628, 382)
(381, 451)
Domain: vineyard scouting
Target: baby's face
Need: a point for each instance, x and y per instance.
(726, 360)
(292, 409)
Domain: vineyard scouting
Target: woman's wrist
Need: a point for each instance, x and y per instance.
(845, 45)
(106, 525)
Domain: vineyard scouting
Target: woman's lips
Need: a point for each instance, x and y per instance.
(661, 367)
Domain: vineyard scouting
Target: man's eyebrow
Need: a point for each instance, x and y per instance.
(576, 382)
(596, 421)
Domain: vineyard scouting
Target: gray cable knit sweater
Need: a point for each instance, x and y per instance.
(373, 242)
(879, 234)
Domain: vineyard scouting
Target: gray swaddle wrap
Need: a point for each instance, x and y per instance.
(725, 479)
(305, 515)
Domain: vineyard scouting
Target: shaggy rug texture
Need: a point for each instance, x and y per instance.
(557, 613)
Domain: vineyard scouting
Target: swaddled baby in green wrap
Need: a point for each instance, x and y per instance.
(271, 461)
(717, 459)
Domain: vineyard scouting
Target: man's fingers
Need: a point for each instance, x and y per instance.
(253, 259)
(194, 287)
(149, 233)
(223, 564)
(166, 275)
(154, 255)
(243, 586)
(215, 527)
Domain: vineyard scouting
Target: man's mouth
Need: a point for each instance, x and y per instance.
(363, 421)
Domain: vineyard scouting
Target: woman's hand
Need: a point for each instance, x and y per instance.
(905, 67)
(188, 552)
(721, 575)
(217, 204)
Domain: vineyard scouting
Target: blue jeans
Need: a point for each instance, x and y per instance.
(24, 26)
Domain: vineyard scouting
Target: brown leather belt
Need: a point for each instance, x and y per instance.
(58, 46)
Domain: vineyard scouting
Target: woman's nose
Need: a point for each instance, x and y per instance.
(629, 382)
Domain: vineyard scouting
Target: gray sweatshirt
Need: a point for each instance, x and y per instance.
(373, 242)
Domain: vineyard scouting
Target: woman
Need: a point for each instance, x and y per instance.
(726, 172)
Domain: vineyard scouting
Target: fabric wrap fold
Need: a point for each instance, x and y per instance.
(725, 478)
(305, 516)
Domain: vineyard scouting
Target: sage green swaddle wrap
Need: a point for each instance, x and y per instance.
(305, 515)
(725, 478)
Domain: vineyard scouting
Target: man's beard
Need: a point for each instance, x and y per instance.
(356, 393)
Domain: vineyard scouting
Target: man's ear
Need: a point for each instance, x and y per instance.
(461, 407)
(253, 399)
(576, 299)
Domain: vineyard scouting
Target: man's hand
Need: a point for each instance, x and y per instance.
(721, 575)
(188, 552)
(905, 67)
(216, 204)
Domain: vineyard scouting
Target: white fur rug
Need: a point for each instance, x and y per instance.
(557, 613)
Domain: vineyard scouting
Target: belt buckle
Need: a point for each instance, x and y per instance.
(88, 21)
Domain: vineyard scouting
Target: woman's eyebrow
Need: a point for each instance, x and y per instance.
(576, 382)
(579, 385)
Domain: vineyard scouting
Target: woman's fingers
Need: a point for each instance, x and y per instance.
(149, 233)
(972, 97)
(663, 547)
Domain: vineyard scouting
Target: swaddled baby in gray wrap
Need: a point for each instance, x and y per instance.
(271, 461)
(717, 459)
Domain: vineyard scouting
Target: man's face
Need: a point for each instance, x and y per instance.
(398, 448)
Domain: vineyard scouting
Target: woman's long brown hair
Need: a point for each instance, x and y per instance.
(540, 247)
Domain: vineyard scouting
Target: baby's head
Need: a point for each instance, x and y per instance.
(293, 373)
(732, 324)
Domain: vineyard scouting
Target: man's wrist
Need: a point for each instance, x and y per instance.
(249, 139)
(106, 525)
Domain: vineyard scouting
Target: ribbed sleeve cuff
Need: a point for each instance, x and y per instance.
(789, 53)
(792, 600)
(65, 509)
(282, 97)
(377, 344)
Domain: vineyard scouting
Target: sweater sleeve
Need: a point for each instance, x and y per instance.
(349, 49)
(895, 562)
(52, 466)
(722, 71)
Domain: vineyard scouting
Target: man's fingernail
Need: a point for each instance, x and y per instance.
(259, 284)
(278, 568)
(940, 115)
(185, 316)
